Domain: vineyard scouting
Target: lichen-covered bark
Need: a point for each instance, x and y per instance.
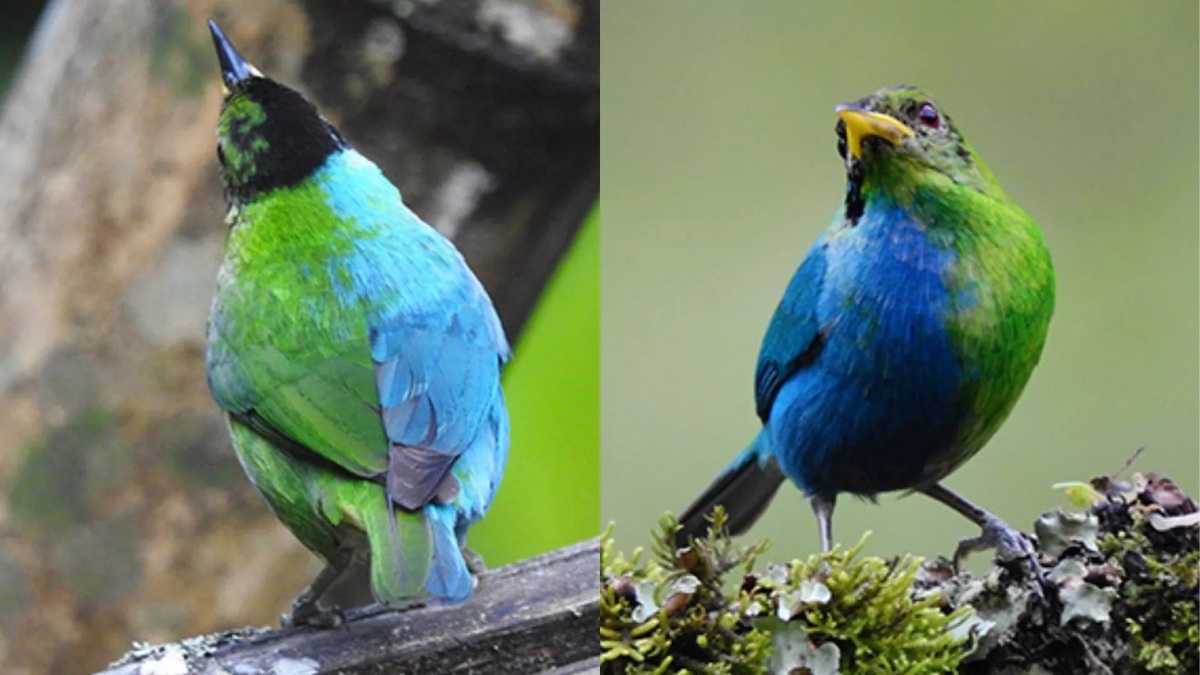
(124, 513)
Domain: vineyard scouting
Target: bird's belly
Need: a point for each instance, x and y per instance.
(880, 409)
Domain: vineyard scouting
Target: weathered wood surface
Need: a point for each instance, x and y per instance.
(536, 616)
(124, 514)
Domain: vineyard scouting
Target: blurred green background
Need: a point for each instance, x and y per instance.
(719, 169)
(550, 496)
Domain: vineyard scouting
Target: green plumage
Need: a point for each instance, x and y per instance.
(304, 353)
(1002, 332)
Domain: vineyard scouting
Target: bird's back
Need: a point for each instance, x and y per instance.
(357, 356)
(312, 275)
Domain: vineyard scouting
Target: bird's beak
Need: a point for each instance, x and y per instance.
(863, 123)
(234, 68)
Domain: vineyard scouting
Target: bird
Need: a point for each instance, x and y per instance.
(905, 336)
(354, 353)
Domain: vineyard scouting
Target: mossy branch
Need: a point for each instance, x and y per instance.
(1119, 595)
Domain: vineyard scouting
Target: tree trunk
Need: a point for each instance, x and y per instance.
(126, 515)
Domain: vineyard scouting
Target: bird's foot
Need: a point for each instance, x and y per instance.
(475, 563)
(1010, 545)
(307, 612)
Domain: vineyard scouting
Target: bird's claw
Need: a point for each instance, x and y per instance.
(475, 563)
(1010, 546)
(1008, 543)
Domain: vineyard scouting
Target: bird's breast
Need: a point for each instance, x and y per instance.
(882, 401)
(886, 300)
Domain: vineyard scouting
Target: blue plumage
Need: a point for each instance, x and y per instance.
(867, 414)
(840, 413)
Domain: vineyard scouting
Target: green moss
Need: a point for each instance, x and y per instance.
(871, 613)
(670, 614)
(832, 612)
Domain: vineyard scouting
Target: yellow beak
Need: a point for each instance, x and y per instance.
(863, 123)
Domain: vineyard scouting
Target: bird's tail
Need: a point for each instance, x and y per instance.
(744, 489)
(414, 553)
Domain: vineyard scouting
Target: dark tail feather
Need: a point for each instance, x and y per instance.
(744, 490)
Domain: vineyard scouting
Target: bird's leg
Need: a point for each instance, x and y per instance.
(1010, 544)
(475, 563)
(822, 506)
(307, 611)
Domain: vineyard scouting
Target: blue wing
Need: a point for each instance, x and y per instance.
(795, 336)
(437, 371)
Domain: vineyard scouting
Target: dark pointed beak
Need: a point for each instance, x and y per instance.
(234, 68)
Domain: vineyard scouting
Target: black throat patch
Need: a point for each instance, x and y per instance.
(854, 198)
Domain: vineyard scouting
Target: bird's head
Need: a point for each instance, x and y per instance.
(268, 135)
(899, 133)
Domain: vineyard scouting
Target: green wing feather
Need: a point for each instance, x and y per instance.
(329, 408)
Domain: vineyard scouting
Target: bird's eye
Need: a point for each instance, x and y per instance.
(929, 116)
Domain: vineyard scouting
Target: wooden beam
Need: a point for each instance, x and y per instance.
(536, 616)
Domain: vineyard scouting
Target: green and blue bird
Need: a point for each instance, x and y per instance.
(906, 335)
(355, 354)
